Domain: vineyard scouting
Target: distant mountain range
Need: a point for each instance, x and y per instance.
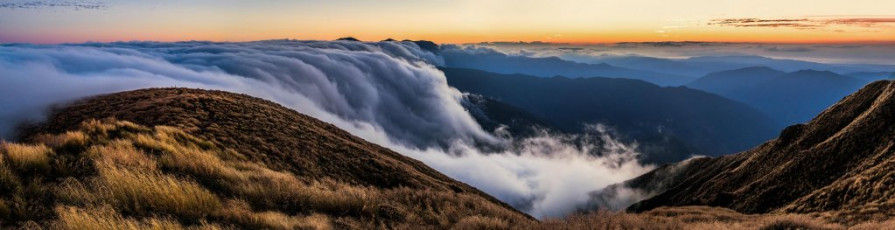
(788, 98)
(493, 61)
(671, 124)
(840, 164)
(702, 65)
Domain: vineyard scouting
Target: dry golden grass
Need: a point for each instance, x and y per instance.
(121, 153)
(266, 188)
(882, 225)
(106, 218)
(481, 222)
(163, 178)
(240, 212)
(8, 178)
(150, 192)
(700, 217)
(27, 157)
(125, 176)
(70, 138)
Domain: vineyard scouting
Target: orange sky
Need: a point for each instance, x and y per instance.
(458, 21)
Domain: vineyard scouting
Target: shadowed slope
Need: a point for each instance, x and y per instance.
(838, 163)
(678, 121)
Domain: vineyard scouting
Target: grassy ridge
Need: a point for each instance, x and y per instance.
(111, 173)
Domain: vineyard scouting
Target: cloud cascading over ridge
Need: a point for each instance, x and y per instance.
(388, 93)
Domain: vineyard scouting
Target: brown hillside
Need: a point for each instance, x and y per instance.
(840, 163)
(218, 159)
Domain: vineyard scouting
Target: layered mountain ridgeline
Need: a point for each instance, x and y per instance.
(670, 124)
(493, 61)
(734, 83)
(172, 158)
(838, 165)
(789, 98)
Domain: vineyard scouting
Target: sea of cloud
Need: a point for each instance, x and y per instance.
(389, 93)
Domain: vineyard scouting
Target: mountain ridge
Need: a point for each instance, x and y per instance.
(817, 167)
(253, 157)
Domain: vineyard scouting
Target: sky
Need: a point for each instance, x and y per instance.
(451, 21)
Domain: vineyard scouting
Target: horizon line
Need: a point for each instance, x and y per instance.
(520, 42)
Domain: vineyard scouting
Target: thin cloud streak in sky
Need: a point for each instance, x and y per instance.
(806, 23)
(76, 5)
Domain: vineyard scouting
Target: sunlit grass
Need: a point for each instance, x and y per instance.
(163, 178)
(27, 157)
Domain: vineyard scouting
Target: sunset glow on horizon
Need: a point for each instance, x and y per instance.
(443, 21)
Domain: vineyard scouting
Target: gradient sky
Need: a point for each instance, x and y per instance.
(451, 21)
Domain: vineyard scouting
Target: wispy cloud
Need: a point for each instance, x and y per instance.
(800, 23)
(71, 4)
(806, 23)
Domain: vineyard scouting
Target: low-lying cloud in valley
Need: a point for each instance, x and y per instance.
(389, 93)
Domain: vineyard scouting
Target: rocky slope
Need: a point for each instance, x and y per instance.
(839, 164)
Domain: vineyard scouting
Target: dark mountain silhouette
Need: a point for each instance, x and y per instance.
(788, 98)
(840, 163)
(426, 45)
(348, 39)
(492, 115)
(496, 62)
(678, 118)
(225, 159)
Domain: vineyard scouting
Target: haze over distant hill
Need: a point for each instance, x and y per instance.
(701, 65)
(839, 164)
(788, 98)
(497, 62)
(643, 111)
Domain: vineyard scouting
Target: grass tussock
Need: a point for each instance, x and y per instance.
(67, 139)
(150, 192)
(698, 217)
(106, 218)
(240, 213)
(27, 157)
(481, 222)
(117, 175)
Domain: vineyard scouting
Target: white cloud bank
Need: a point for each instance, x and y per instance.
(388, 93)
